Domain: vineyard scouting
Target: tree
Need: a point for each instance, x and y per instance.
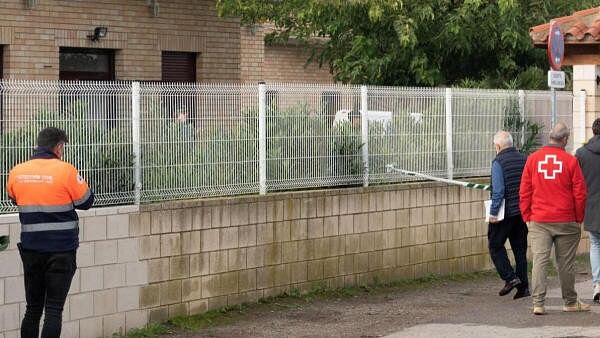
(409, 42)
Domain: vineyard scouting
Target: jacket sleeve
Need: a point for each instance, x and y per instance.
(525, 192)
(9, 189)
(78, 189)
(497, 188)
(579, 192)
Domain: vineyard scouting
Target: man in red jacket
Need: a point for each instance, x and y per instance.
(552, 202)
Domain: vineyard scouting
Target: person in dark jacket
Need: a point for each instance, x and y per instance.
(507, 169)
(589, 160)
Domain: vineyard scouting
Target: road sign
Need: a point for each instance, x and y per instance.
(556, 46)
(556, 79)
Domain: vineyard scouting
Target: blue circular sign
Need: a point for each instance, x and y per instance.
(556, 46)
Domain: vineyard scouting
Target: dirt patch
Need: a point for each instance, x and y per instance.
(376, 313)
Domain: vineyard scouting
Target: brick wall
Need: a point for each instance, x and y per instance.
(288, 64)
(252, 54)
(227, 52)
(32, 37)
(137, 265)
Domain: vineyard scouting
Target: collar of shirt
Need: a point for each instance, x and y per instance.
(43, 153)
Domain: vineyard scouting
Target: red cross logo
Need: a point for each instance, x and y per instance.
(550, 166)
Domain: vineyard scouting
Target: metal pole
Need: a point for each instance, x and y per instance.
(582, 117)
(262, 138)
(522, 112)
(136, 139)
(364, 128)
(553, 107)
(449, 148)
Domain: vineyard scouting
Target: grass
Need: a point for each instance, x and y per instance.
(151, 330)
(207, 319)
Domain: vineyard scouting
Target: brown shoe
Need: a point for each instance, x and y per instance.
(509, 286)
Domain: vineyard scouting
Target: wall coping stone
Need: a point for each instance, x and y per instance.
(277, 196)
(240, 199)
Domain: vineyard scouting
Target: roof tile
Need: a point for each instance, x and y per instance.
(581, 27)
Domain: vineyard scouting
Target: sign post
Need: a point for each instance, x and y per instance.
(556, 52)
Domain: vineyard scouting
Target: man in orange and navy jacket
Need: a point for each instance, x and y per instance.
(47, 191)
(552, 202)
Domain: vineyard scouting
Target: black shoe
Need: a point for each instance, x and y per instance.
(509, 286)
(522, 293)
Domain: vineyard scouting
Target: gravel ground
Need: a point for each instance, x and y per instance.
(419, 308)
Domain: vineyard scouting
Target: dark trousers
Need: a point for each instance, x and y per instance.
(515, 230)
(47, 281)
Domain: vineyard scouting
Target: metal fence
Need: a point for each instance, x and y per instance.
(141, 142)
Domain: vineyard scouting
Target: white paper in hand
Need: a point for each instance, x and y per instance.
(488, 205)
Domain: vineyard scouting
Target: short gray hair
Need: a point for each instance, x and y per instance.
(559, 132)
(503, 139)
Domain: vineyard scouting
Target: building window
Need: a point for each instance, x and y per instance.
(87, 64)
(179, 67)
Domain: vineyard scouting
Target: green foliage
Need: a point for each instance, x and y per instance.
(407, 143)
(425, 42)
(517, 125)
(101, 153)
(150, 330)
(299, 149)
(206, 319)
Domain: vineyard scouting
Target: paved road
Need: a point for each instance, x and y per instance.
(577, 324)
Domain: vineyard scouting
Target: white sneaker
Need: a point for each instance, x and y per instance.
(597, 293)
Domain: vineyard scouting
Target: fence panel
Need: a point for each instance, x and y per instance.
(538, 109)
(313, 136)
(477, 116)
(406, 129)
(96, 117)
(198, 140)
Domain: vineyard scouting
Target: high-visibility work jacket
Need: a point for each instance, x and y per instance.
(47, 191)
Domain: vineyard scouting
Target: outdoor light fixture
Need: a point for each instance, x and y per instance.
(99, 32)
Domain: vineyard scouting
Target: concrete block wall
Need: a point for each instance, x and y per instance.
(137, 265)
(104, 294)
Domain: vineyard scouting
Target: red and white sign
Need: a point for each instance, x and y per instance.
(556, 46)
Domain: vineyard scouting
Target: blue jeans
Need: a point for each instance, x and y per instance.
(595, 256)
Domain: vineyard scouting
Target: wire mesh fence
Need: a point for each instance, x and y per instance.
(142, 142)
(198, 140)
(312, 136)
(97, 119)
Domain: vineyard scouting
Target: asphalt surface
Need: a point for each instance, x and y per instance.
(466, 308)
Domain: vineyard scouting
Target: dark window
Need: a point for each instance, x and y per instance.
(179, 67)
(89, 64)
(330, 104)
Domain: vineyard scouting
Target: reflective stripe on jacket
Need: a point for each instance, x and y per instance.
(47, 191)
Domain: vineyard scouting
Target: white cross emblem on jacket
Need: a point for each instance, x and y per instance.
(550, 166)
